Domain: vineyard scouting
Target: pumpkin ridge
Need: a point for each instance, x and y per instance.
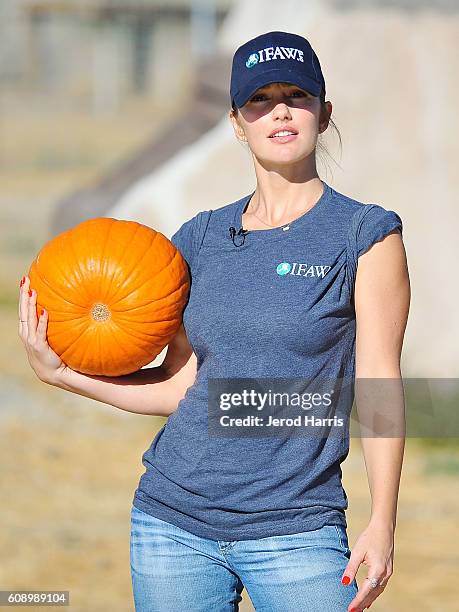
(76, 323)
(71, 343)
(131, 271)
(120, 345)
(53, 290)
(65, 312)
(120, 261)
(149, 280)
(89, 331)
(144, 334)
(156, 300)
(77, 266)
(148, 353)
(66, 240)
(86, 345)
(101, 273)
(105, 352)
(55, 333)
(145, 322)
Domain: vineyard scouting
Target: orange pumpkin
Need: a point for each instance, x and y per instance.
(115, 293)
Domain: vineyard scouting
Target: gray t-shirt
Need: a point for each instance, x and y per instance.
(280, 305)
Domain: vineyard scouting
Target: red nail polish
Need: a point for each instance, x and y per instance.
(30, 292)
(22, 281)
(42, 311)
(346, 580)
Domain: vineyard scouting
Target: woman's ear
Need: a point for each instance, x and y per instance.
(239, 132)
(325, 117)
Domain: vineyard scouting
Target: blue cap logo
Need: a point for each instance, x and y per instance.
(283, 268)
(252, 61)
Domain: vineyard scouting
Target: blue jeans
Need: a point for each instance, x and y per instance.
(174, 570)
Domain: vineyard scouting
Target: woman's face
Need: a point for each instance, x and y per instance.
(281, 105)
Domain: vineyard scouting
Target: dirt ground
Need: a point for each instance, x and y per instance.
(70, 465)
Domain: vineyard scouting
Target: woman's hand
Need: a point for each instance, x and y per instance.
(375, 548)
(46, 364)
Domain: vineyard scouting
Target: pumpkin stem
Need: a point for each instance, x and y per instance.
(100, 312)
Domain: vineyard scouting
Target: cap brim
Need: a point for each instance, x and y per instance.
(276, 76)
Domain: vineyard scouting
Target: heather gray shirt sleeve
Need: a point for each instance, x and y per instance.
(368, 225)
(189, 236)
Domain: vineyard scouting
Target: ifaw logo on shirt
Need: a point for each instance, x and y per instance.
(301, 269)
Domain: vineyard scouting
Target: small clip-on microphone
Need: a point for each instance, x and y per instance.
(242, 232)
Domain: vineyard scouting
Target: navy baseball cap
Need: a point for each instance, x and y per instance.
(274, 57)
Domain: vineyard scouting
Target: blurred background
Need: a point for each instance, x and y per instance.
(119, 108)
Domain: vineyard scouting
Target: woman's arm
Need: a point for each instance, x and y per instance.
(382, 298)
(153, 391)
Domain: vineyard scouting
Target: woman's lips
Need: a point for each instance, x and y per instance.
(281, 139)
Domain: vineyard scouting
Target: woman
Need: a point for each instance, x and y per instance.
(275, 294)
